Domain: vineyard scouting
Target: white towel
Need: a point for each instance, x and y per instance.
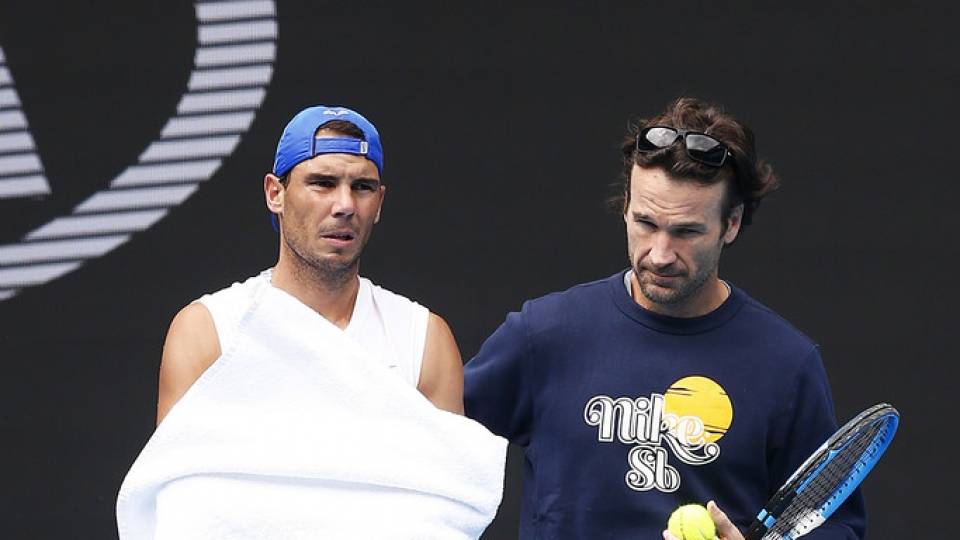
(295, 433)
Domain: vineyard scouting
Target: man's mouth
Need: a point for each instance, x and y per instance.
(664, 273)
(340, 238)
(661, 279)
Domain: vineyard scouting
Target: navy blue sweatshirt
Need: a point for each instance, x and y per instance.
(625, 414)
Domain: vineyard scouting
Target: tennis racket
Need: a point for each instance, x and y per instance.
(827, 477)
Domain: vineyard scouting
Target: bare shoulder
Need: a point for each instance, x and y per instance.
(441, 372)
(191, 346)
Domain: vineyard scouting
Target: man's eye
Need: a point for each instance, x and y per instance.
(323, 183)
(646, 224)
(364, 186)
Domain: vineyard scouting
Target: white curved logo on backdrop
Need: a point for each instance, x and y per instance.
(233, 65)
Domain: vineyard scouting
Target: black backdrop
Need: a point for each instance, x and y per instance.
(500, 123)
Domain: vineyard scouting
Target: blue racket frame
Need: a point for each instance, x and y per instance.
(836, 445)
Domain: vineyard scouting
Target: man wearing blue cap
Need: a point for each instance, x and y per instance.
(325, 194)
(289, 404)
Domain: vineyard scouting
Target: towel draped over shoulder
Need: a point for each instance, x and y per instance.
(295, 433)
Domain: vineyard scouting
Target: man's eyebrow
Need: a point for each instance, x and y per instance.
(641, 216)
(321, 176)
(689, 225)
(367, 179)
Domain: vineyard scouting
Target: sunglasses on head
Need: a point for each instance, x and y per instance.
(700, 146)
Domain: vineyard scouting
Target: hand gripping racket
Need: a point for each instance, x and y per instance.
(827, 477)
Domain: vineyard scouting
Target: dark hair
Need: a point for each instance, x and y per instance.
(344, 128)
(748, 178)
(340, 127)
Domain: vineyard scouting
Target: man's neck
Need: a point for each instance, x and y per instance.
(332, 299)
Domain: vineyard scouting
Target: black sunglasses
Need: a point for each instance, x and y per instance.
(700, 146)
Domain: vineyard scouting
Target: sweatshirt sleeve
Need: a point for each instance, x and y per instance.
(807, 422)
(497, 385)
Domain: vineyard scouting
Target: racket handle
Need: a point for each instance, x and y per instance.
(756, 530)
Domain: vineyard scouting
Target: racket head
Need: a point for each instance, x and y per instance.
(819, 485)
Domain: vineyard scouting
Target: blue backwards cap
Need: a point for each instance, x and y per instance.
(299, 143)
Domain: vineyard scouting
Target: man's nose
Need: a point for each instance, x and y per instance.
(344, 203)
(662, 252)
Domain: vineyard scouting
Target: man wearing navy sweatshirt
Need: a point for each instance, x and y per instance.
(662, 384)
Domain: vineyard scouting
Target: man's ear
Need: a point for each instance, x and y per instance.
(383, 191)
(273, 191)
(733, 224)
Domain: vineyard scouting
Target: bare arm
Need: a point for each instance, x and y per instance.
(441, 374)
(190, 348)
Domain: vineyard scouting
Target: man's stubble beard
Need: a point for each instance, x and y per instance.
(330, 274)
(689, 286)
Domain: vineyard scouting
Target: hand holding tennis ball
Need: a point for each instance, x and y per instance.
(694, 522)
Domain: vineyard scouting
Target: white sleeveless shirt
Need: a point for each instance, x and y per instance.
(392, 328)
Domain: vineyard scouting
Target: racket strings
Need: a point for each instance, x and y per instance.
(804, 512)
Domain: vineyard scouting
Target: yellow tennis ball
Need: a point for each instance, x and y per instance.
(692, 522)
